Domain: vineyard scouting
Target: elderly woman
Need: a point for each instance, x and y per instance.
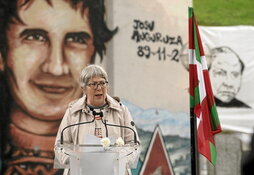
(96, 107)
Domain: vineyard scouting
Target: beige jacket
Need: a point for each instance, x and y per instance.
(77, 112)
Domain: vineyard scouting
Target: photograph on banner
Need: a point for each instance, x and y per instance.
(230, 60)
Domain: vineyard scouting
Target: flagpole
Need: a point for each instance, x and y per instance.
(193, 137)
(193, 122)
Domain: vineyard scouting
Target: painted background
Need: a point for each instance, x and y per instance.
(146, 61)
(148, 76)
(147, 70)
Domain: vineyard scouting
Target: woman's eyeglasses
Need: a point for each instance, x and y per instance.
(94, 85)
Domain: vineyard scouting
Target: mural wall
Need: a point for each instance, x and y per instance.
(44, 45)
(148, 76)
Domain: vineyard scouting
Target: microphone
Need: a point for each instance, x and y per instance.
(81, 123)
(101, 115)
(121, 126)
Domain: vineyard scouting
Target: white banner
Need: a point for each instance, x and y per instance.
(230, 54)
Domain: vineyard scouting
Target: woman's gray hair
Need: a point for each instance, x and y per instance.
(90, 72)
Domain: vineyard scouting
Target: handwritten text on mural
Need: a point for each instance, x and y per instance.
(154, 44)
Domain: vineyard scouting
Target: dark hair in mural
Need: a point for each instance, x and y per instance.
(102, 34)
(9, 12)
(226, 50)
(4, 113)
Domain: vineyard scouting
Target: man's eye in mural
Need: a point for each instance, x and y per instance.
(79, 38)
(37, 35)
(219, 73)
(235, 74)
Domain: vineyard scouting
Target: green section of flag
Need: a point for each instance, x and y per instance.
(196, 94)
(214, 118)
(197, 52)
(192, 102)
(213, 153)
(190, 12)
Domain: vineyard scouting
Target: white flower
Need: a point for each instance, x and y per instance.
(105, 142)
(119, 141)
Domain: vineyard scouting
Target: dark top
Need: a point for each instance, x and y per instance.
(233, 103)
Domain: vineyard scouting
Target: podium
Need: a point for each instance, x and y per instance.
(96, 159)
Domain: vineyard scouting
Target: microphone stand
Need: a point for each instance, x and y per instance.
(105, 124)
(61, 139)
(120, 126)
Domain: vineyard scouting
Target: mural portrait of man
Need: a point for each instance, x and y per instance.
(226, 71)
(44, 45)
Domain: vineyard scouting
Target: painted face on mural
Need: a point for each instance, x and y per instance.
(225, 74)
(46, 55)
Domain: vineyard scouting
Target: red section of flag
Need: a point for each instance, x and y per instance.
(191, 39)
(210, 102)
(201, 50)
(208, 88)
(205, 136)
